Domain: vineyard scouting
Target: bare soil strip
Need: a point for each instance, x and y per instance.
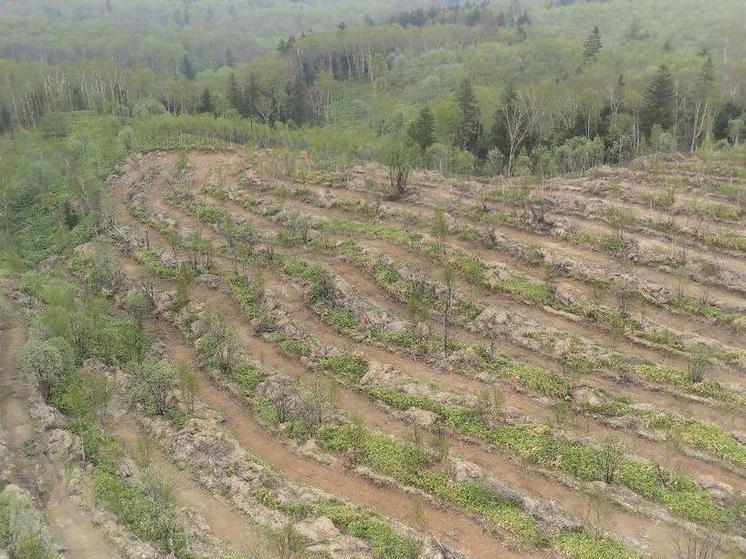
(224, 521)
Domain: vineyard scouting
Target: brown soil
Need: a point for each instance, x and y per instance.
(224, 521)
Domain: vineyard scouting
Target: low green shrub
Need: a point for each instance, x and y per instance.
(342, 320)
(23, 530)
(664, 337)
(248, 293)
(349, 366)
(531, 290)
(153, 263)
(150, 516)
(714, 210)
(539, 380)
(584, 545)
(385, 542)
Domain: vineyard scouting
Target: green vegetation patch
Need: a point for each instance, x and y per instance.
(248, 293)
(349, 366)
(385, 542)
(539, 380)
(153, 263)
(23, 530)
(584, 545)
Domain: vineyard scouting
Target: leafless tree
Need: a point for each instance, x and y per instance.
(696, 547)
(521, 117)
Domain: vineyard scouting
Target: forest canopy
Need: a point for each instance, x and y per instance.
(519, 87)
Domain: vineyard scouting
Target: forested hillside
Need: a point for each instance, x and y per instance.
(527, 88)
(372, 279)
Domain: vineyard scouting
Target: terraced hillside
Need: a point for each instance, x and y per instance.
(514, 370)
(294, 363)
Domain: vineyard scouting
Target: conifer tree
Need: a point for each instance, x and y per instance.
(296, 103)
(234, 93)
(658, 101)
(187, 70)
(707, 76)
(274, 110)
(250, 101)
(593, 44)
(469, 128)
(205, 103)
(421, 129)
(5, 119)
(229, 58)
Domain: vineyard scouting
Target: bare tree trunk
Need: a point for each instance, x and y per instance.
(700, 119)
(446, 316)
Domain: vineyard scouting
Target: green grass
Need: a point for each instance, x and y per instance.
(664, 337)
(247, 377)
(527, 289)
(712, 439)
(702, 308)
(342, 320)
(539, 445)
(456, 416)
(661, 374)
(153, 520)
(584, 545)
(714, 210)
(248, 293)
(24, 533)
(385, 542)
(539, 380)
(349, 366)
(730, 242)
(153, 263)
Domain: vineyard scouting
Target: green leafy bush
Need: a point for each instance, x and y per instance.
(44, 365)
(23, 531)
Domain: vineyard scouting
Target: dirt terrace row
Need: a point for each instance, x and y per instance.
(196, 224)
(533, 484)
(534, 408)
(572, 323)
